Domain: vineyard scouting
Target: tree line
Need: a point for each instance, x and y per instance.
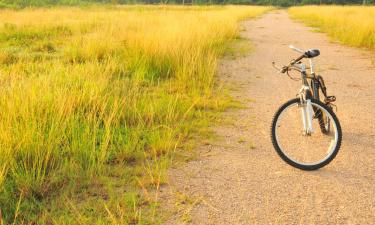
(36, 3)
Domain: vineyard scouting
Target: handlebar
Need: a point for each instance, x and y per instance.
(296, 64)
(292, 63)
(281, 70)
(287, 68)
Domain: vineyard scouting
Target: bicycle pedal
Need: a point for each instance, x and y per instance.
(329, 99)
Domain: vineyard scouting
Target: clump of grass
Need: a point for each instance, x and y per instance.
(88, 91)
(351, 25)
(239, 47)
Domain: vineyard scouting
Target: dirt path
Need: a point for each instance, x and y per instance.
(239, 179)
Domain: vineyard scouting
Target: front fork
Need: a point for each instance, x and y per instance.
(306, 110)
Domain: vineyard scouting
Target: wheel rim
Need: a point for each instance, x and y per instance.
(305, 150)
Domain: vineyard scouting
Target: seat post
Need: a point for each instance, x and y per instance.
(312, 67)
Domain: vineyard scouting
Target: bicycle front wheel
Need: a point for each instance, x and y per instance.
(306, 151)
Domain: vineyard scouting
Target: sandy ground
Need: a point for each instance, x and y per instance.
(239, 178)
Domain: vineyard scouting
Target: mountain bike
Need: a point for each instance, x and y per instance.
(305, 131)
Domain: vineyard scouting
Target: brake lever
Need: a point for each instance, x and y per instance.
(282, 70)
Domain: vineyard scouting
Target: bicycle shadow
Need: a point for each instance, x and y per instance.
(355, 161)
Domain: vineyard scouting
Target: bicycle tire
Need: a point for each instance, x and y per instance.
(292, 162)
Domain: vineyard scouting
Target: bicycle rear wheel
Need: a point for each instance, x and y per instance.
(305, 151)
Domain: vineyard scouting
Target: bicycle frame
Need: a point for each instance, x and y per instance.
(308, 91)
(312, 109)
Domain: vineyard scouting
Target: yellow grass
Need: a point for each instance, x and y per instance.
(89, 91)
(351, 25)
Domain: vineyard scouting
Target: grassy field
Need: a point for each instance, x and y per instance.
(351, 25)
(95, 101)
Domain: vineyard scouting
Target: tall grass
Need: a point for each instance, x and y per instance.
(352, 25)
(87, 92)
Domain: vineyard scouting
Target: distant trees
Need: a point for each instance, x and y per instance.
(27, 3)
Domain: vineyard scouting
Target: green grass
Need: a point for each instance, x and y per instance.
(95, 103)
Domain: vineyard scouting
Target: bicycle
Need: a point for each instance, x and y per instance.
(293, 131)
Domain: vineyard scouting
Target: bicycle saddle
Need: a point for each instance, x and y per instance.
(312, 53)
